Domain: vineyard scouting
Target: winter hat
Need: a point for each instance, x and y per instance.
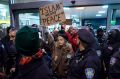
(113, 36)
(86, 36)
(27, 41)
(62, 34)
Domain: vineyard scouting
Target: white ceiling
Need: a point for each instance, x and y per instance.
(88, 12)
(78, 2)
(91, 2)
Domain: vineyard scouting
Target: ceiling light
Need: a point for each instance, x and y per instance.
(81, 8)
(74, 15)
(66, 8)
(98, 15)
(102, 12)
(105, 6)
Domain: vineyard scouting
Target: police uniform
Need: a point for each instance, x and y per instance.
(111, 47)
(114, 70)
(85, 65)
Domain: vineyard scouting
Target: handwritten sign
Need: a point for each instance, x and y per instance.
(52, 14)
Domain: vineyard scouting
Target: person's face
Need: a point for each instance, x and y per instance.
(12, 35)
(71, 30)
(61, 40)
(80, 44)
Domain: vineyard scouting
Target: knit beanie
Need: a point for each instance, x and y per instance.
(27, 41)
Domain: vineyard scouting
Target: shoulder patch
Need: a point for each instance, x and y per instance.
(3, 46)
(89, 72)
(98, 53)
(113, 61)
(110, 48)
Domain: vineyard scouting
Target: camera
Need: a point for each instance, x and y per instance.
(73, 2)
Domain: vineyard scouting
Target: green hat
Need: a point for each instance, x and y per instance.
(27, 41)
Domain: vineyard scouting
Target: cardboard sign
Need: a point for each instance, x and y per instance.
(67, 22)
(52, 14)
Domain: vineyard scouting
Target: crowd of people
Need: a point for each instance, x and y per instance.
(72, 54)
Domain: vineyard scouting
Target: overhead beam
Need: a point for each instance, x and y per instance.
(4, 2)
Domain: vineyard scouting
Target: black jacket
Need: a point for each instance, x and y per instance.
(10, 52)
(9, 46)
(114, 68)
(36, 69)
(3, 55)
(108, 51)
(85, 65)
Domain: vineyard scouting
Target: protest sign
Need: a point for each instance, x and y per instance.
(52, 14)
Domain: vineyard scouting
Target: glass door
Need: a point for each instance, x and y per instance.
(27, 17)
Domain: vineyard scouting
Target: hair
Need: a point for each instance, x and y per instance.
(99, 30)
(83, 43)
(13, 29)
(71, 27)
(9, 29)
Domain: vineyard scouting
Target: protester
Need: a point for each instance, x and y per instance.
(8, 42)
(31, 64)
(100, 37)
(61, 56)
(72, 37)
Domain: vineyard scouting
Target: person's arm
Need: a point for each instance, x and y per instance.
(51, 42)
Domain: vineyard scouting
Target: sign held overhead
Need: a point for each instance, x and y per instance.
(52, 14)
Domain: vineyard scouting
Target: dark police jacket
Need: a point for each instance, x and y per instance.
(108, 51)
(37, 69)
(85, 65)
(114, 68)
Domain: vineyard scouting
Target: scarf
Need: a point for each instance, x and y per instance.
(27, 59)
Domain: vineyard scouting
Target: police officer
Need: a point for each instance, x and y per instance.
(114, 67)
(111, 47)
(86, 63)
